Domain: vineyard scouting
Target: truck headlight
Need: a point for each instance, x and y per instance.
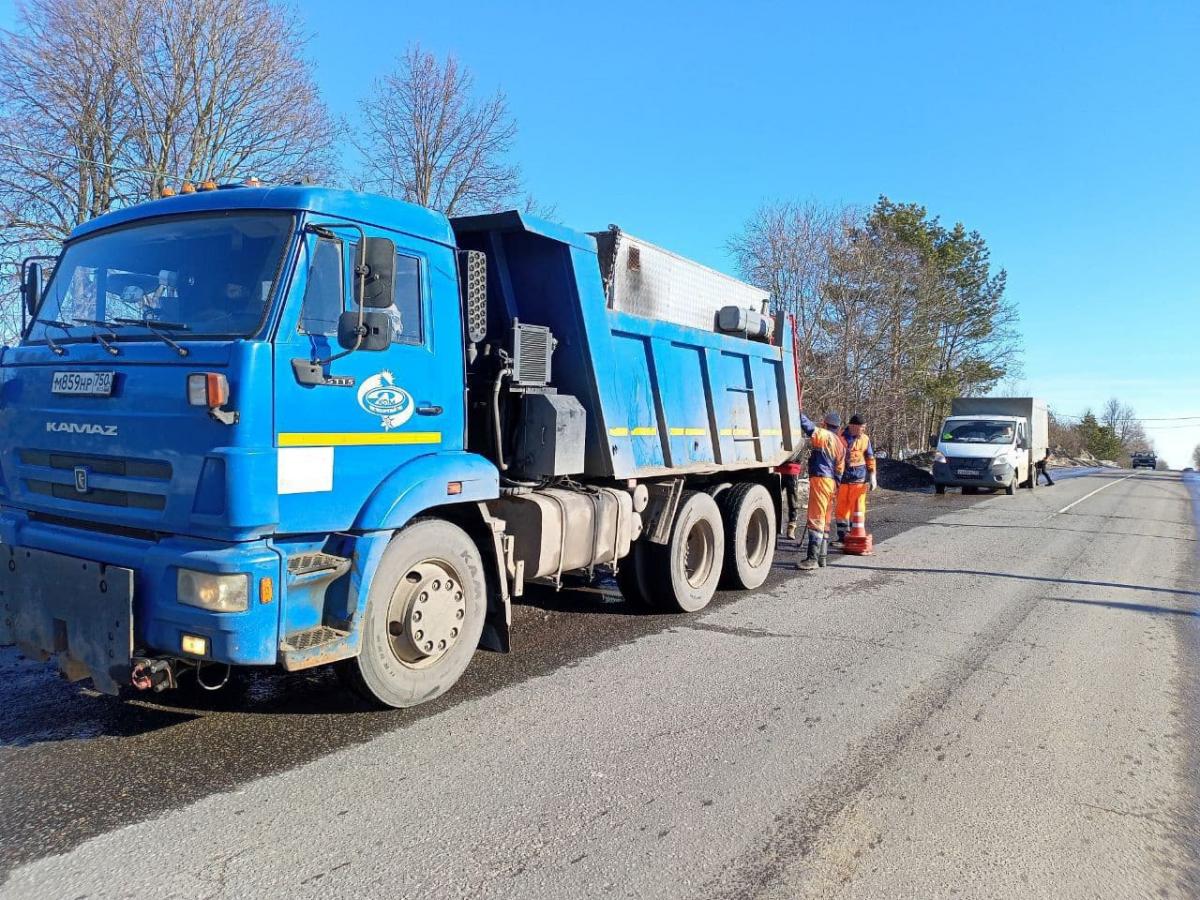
(939, 456)
(218, 593)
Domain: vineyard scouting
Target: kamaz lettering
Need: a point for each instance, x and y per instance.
(82, 428)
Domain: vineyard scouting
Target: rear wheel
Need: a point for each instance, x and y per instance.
(748, 513)
(688, 567)
(424, 616)
(631, 576)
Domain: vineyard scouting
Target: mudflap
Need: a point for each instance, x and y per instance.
(77, 611)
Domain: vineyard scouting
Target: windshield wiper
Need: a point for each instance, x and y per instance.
(101, 339)
(154, 326)
(58, 349)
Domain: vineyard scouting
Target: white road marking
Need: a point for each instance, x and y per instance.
(1085, 496)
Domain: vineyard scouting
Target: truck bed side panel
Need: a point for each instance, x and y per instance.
(660, 397)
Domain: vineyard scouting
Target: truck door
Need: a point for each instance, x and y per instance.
(337, 442)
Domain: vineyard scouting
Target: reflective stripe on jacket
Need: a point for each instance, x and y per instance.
(827, 453)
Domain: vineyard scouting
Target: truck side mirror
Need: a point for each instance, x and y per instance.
(375, 273)
(374, 334)
(31, 287)
(474, 292)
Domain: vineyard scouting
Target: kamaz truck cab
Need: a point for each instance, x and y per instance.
(197, 419)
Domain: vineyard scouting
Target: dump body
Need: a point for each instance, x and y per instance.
(661, 397)
(991, 442)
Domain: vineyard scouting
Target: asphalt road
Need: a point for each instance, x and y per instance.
(1000, 702)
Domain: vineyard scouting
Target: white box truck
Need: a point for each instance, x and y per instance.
(991, 443)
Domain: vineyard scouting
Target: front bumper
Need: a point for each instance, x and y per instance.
(990, 477)
(55, 604)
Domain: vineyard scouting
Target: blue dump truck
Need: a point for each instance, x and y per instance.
(294, 426)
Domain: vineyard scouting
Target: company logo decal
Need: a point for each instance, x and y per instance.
(381, 396)
(82, 428)
(81, 479)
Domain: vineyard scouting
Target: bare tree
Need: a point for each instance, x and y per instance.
(427, 139)
(1123, 420)
(1196, 456)
(103, 102)
(221, 90)
(785, 248)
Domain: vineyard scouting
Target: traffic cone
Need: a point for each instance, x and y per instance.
(858, 542)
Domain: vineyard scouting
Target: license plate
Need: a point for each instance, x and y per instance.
(969, 473)
(90, 384)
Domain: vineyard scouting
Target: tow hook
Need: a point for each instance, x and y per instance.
(153, 674)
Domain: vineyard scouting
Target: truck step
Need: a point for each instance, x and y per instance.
(308, 563)
(311, 638)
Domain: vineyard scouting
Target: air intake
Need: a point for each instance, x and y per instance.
(533, 346)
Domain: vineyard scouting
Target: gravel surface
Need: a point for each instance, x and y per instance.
(999, 702)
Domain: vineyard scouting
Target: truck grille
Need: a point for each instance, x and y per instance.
(959, 462)
(39, 468)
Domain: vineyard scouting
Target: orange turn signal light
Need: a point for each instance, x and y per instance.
(209, 389)
(266, 590)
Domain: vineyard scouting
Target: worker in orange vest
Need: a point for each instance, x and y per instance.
(859, 477)
(826, 461)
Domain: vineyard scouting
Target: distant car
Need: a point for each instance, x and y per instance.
(1144, 461)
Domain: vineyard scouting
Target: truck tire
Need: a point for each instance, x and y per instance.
(688, 566)
(970, 491)
(424, 616)
(1011, 487)
(939, 489)
(631, 577)
(748, 513)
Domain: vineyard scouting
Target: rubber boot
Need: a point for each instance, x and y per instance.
(841, 536)
(809, 563)
(823, 555)
(791, 531)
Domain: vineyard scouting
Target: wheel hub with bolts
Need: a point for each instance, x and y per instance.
(425, 617)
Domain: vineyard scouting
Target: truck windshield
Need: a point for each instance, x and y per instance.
(973, 431)
(210, 276)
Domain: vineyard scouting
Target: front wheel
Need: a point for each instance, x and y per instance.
(424, 616)
(1011, 487)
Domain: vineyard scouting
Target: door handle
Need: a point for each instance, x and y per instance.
(429, 410)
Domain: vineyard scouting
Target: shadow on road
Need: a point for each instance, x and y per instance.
(1132, 607)
(1042, 578)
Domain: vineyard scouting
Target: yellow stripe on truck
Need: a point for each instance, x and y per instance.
(640, 431)
(689, 432)
(356, 438)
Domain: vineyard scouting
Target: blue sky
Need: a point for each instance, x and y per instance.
(1068, 134)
